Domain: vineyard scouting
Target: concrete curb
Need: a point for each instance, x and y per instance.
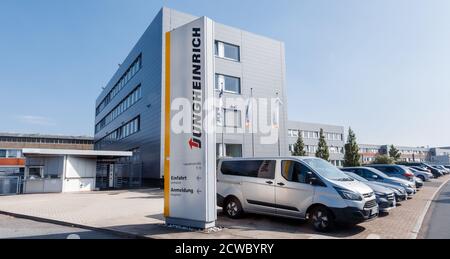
(418, 227)
(72, 225)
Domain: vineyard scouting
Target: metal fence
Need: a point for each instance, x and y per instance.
(9, 185)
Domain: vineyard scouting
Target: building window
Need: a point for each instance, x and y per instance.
(2, 153)
(129, 74)
(230, 150)
(227, 51)
(228, 84)
(12, 153)
(293, 133)
(233, 118)
(292, 148)
(124, 131)
(129, 101)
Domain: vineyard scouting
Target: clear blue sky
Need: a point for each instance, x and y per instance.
(382, 67)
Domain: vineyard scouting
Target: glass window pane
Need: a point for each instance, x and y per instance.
(231, 52)
(232, 84)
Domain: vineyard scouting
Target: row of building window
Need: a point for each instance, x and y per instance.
(124, 131)
(403, 152)
(45, 140)
(313, 149)
(128, 75)
(369, 150)
(314, 135)
(129, 101)
(10, 153)
(417, 152)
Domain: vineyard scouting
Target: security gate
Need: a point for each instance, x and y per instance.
(9, 185)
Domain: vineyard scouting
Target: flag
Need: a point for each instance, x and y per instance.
(276, 113)
(220, 110)
(249, 113)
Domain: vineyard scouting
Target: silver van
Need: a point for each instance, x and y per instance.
(293, 187)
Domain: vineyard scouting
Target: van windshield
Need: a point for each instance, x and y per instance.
(327, 170)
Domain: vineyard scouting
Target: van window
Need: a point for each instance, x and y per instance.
(252, 168)
(294, 171)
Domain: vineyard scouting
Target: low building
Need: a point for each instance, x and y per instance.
(334, 136)
(440, 156)
(12, 161)
(59, 170)
(369, 152)
(408, 154)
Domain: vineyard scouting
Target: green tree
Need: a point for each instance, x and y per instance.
(299, 147)
(383, 160)
(394, 153)
(352, 157)
(322, 150)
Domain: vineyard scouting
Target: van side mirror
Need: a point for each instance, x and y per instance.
(312, 180)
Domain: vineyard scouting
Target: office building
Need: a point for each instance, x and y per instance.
(334, 136)
(129, 114)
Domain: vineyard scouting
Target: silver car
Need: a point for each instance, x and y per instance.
(422, 175)
(385, 196)
(374, 175)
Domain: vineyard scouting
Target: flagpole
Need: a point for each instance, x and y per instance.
(279, 120)
(222, 118)
(252, 129)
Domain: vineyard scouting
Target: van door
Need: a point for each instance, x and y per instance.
(259, 190)
(293, 192)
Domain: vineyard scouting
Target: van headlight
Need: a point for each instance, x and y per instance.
(348, 195)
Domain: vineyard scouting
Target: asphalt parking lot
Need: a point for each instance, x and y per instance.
(15, 228)
(139, 212)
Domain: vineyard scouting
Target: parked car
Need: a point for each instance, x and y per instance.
(419, 183)
(398, 171)
(441, 167)
(444, 172)
(447, 166)
(421, 168)
(385, 196)
(374, 175)
(293, 187)
(436, 173)
(400, 192)
(425, 176)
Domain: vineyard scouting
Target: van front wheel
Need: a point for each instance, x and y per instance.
(233, 208)
(322, 219)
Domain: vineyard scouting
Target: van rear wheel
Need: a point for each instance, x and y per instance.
(233, 208)
(322, 219)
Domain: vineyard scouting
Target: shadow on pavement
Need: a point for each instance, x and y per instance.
(277, 224)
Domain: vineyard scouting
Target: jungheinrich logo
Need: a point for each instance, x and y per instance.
(197, 94)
